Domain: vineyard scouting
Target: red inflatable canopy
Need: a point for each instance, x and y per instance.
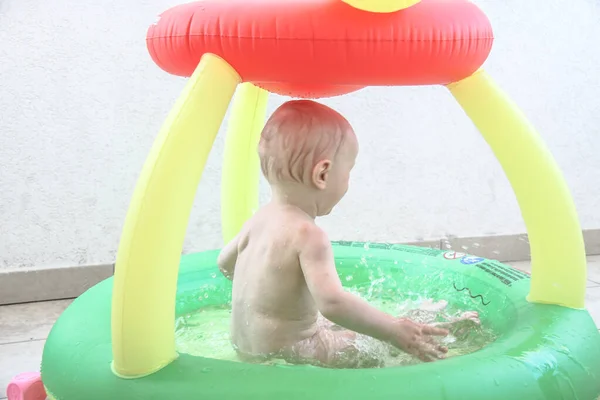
(316, 48)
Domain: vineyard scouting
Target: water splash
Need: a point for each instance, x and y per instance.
(206, 332)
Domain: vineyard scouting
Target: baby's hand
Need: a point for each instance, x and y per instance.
(462, 325)
(419, 339)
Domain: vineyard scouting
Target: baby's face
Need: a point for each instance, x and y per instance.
(339, 176)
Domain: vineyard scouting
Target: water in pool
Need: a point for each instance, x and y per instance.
(205, 332)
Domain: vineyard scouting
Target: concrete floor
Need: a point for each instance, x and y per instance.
(24, 327)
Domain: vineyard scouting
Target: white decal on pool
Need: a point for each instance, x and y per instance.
(453, 255)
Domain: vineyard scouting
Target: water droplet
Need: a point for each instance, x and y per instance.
(349, 278)
(464, 247)
(366, 246)
(206, 295)
(476, 245)
(448, 246)
(213, 275)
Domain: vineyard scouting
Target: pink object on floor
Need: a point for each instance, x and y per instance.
(26, 386)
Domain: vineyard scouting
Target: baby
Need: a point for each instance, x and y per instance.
(288, 300)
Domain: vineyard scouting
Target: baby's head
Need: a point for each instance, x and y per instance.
(308, 149)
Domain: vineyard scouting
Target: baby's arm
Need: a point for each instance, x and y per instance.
(228, 257)
(337, 305)
(352, 312)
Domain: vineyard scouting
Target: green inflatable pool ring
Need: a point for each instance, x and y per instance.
(542, 351)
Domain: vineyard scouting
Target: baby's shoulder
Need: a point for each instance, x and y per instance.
(310, 234)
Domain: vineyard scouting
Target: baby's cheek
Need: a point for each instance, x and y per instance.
(347, 181)
(345, 188)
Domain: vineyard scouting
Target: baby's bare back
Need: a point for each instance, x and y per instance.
(272, 308)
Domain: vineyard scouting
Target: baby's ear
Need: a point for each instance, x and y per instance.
(320, 174)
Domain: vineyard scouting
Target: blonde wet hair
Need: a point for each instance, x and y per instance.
(298, 135)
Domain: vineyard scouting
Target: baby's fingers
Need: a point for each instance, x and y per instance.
(442, 349)
(425, 357)
(434, 331)
(432, 353)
